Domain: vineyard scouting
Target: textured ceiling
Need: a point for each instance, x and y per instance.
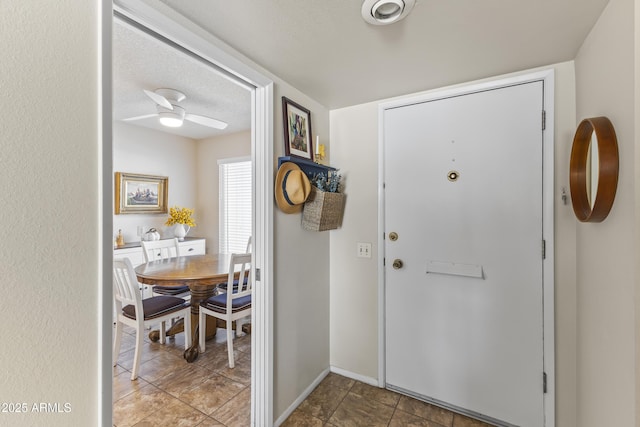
(325, 49)
(141, 62)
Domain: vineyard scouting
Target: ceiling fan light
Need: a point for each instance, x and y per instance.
(168, 121)
(385, 12)
(171, 118)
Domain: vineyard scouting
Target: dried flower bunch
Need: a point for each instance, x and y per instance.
(178, 215)
(329, 182)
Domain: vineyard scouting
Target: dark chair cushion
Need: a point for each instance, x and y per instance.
(218, 303)
(222, 287)
(156, 306)
(170, 290)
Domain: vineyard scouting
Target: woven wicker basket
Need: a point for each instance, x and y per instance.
(323, 210)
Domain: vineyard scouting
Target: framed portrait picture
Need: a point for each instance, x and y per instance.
(297, 130)
(137, 193)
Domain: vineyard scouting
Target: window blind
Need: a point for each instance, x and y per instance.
(235, 205)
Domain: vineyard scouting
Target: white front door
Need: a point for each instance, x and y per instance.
(463, 181)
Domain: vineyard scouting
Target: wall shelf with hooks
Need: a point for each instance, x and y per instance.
(309, 167)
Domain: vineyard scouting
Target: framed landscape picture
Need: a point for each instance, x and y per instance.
(297, 129)
(136, 193)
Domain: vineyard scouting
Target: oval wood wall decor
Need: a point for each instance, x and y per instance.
(580, 165)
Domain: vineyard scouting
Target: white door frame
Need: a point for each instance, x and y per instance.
(176, 29)
(547, 77)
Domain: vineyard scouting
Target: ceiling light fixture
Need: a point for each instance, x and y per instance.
(171, 118)
(385, 12)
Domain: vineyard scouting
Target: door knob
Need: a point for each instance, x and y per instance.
(397, 264)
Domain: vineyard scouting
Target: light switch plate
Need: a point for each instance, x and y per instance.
(364, 250)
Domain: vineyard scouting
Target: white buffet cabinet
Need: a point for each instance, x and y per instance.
(189, 246)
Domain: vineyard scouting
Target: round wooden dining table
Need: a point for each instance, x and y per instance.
(202, 273)
(195, 270)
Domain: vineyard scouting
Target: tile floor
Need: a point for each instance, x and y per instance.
(343, 402)
(170, 392)
(173, 393)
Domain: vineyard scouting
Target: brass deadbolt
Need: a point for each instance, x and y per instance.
(453, 176)
(393, 236)
(397, 264)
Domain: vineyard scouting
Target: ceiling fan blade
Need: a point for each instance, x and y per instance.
(159, 99)
(205, 121)
(146, 116)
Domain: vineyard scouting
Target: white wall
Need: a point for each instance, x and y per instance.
(149, 152)
(301, 280)
(192, 168)
(637, 202)
(354, 281)
(209, 151)
(607, 271)
(51, 204)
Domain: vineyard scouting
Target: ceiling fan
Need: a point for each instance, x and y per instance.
(171, 114)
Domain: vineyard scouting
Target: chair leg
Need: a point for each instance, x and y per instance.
(202, 329)
(187, 331)
(138, 351)
(116, 342)
(163, 332)
(230, 343)
(239, 323)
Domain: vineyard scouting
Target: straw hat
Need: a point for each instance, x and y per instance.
(292, 188)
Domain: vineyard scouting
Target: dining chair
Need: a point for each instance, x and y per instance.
(155, 250)
(222, 287)
(133, 311)
(230, 306)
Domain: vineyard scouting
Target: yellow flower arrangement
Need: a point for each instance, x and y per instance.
(178, 215)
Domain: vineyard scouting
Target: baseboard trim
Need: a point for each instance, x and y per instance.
(367, 380)
(364, 379)
(301, 398)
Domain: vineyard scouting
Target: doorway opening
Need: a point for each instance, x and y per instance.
(185, 39)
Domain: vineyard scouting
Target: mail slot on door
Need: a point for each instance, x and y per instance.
(455, 269)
